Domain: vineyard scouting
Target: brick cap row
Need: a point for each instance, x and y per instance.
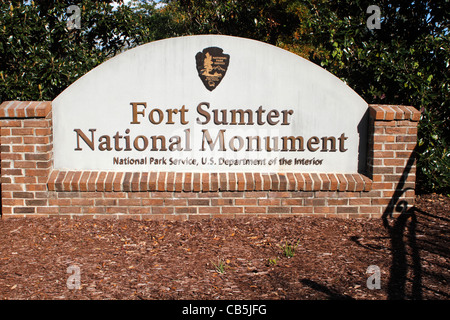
(25, 109)
(107, 181)
(393, 112)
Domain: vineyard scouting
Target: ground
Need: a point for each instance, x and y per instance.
(230, 258)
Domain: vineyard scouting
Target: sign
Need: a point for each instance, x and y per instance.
(209, 104)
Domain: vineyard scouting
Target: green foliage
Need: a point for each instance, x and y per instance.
(219, 266)
(289, 249)
(40, 57)
(434, 159)
(272, 261)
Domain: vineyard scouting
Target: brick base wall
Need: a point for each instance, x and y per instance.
(30, 186)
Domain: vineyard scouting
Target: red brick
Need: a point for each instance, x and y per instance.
(24, 210)
(170, 181)
(324, 209)
(199, 202)
(258, 181)
(208, 195)
(187, 182)
(67, 181)
(338, 202)
(59, 181)
(205, 181)
(91, 184)
(11, 187)
(280, 194)
(222, 202)
(389, 113)
(209, 209)
(292, 202)
(197, 182)
(84, 181)
(275, 186)
(381, 201)
(300, 181)
(369, 209)
(139, 210)
(10, 140)
(11, 156)
(214, 182)
(143, 181)
(129, 202)
(11, 123)
(326, 182)
(301, 209)
(395, 146)
(19, 132)
(108, 181)
(13, 202)
(162, 210)
(394, 162)
(246, 202)
(376, 112)
(351, 182)
(79, 202)
(153, 181)
(11, 172)
(266, 183)
(196, 217)
(232, 182)
(179, 182)
(186, 210)
(359, 182)
(232, 209)
(100, 183)
(240, 179)
(308, 182)
(126, 182)
(256, 194)
(255, 210)
(396, 130)
(269, 202)
(161, 183)
(49, 210)
(105, 202)
(249, 181)
(52, 180)
(135, 181)
(359, 201)
(333, 182)
(316, 182)
(36, 140)
(278, 209)
(152, 202)
(223, 181)
(292, 182)
(283, 185)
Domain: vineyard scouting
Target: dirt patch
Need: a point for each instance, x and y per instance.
(132, 259)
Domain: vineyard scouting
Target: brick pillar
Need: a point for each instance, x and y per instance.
(391, 158)
(26, 156)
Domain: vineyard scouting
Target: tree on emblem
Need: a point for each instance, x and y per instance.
(212, 64)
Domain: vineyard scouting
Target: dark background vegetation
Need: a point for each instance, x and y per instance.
(404, 62)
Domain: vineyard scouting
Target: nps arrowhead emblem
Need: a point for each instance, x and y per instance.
(212, 64)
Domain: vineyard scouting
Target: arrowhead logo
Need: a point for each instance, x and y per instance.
(212, 64)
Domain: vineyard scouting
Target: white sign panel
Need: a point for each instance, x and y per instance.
(213, 104)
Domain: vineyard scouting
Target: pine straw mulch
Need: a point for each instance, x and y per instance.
(132, 259)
